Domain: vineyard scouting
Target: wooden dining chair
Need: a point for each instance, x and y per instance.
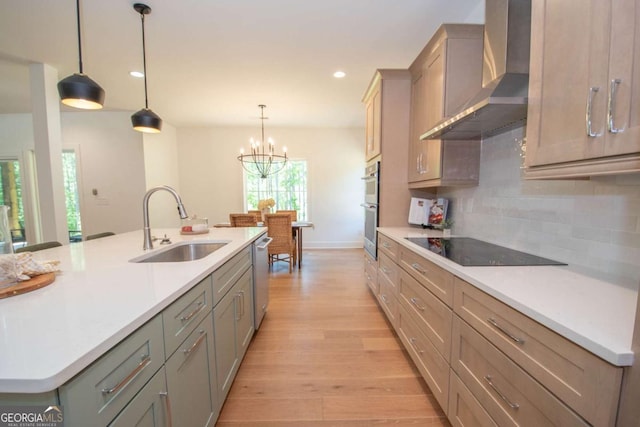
(292, 213)
(283, 245)
(242, 220)
(257, 214)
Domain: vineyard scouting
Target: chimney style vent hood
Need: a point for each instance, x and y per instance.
(501, 104)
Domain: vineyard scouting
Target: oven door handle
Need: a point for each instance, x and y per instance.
(368, 205)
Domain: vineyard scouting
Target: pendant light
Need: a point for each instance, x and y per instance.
(78, 90)
(145, 120)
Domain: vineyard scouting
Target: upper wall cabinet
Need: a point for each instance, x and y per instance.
(584, 88)
(445, 74)
(374, 117)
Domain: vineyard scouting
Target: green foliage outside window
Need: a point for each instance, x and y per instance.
(288, 188)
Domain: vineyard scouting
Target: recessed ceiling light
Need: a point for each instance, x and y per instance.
(339, 74)
(137, 74)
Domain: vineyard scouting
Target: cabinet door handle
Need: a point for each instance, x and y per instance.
(418, 268)
(414, 301)
(612, 105)
(504, 331)
(590, 96)
(165, 394)
(489, 381)
(236, 301)
(196, 344)
(242, 304)
(199, 307)
(385, 270)
(383, 297)
(415, 346)
(143, 363)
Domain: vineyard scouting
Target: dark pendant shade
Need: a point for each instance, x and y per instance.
(79, 91)
(147, 121)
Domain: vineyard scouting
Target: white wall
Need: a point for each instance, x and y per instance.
(594, 225)
(112, 162)
(161, 168)
(211, 177)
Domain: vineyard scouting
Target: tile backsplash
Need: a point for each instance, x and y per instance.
(593, 225)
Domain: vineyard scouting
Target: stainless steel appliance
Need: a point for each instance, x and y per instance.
(371, 180)
(470, 252)
(260, 278)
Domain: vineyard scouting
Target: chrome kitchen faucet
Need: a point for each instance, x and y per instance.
(148, 244)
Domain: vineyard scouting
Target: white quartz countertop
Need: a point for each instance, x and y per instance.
(49, 335)
(595, 314)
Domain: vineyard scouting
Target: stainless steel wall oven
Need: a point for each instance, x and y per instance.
(371, 180)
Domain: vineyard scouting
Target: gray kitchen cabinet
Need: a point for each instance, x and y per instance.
(191, 378)
(233, 328)
(101, 391)
(150, 407)
(583, 115)
(182, 317)
(445, 74)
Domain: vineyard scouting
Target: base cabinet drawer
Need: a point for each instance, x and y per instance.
(464, 409)
(191, 378)
(433, 367)
(509, 395)
(151, 407)
(388, 247)
(101, 391)
(371, 273)
(226, 276)
(388, 300)
(183, 315)
(431, 315)
(586, 383)
(434, 278)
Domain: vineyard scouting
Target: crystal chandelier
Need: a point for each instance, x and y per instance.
(263, 160)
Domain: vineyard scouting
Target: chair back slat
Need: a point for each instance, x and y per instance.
(242, 220)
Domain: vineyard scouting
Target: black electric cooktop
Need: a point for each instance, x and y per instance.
(475, 253)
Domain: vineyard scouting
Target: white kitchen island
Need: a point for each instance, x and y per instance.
(99, 298)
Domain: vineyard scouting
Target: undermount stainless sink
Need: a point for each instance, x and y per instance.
(182, 252)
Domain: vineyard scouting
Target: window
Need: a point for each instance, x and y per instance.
(288, 188)
(72, 197)
(11, 195)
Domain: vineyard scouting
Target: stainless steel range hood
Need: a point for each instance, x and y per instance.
(501, 104)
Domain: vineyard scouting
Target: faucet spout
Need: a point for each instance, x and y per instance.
(148, 244)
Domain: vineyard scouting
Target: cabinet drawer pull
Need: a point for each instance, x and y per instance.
(414, 301)
(415, 346)
(383, 297)
(489, 381)
(612, 105)
(590, 96)
(199, 307)
(418, 268)
(165, 394)
(143, 363)
(196, 344)
(504, 331)
(385, 270)
(386, 245)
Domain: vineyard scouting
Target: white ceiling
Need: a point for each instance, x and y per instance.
(211, 62)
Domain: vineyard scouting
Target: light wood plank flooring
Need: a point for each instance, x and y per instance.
(325, 356)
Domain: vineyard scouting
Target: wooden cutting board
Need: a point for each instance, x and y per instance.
(28, 285)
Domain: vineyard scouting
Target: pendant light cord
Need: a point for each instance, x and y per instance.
(79, 37)
(144, 62)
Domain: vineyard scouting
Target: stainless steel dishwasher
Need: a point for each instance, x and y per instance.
(260, 278)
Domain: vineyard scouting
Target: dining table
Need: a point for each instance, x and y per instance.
(296, 226)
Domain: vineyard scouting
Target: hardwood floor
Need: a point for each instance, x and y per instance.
(325, 356)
